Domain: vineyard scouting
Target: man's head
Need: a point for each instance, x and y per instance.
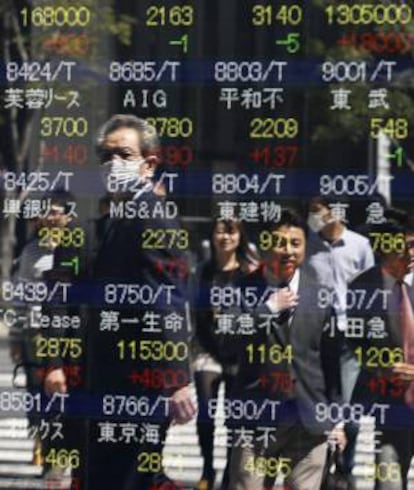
(320, 214)
(58, 213)
(288, 251)
(128, 148)
(394, 244)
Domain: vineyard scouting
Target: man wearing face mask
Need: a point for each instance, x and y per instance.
(337, 255)
(136, 349)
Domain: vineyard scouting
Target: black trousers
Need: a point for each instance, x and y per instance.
(118, 465)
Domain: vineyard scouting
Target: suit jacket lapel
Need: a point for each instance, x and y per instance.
(281, 333)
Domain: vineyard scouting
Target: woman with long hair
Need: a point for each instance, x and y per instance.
(216, 353)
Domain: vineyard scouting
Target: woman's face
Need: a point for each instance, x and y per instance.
(226, 238)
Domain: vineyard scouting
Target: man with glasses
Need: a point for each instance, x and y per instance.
(136, 350)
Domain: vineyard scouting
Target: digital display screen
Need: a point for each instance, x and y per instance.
(207, 244)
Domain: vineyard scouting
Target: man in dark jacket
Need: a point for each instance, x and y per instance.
(381, 331)
(136, 350)
(289, 369)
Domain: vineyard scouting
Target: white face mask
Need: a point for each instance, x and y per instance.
(316, 221)
(121, 175)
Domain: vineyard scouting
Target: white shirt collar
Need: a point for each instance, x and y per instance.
(389, 281)
(294, 282)
(408, 278)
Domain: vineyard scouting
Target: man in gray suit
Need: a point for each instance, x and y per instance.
(289, 364)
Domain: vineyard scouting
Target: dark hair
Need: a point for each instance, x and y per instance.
(409, 226)
(326, 200)
(396, 215)
(245, 255)
(149, 142)
(290, 217)
(400, 218)
(389, 227)
(60, 197)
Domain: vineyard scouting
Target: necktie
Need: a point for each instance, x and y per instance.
(407, 334)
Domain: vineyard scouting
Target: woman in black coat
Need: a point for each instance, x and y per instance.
(216, 351)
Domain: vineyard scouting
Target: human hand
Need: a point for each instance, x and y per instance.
(182, 408)
(16, 354)
(55, 382)
(337, 437)
(404, 371)
(282, 299)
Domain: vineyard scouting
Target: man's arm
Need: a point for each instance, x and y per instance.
(69, 268)
(404, 371)
(168, 267)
